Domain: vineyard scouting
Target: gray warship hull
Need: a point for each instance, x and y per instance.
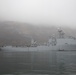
(41, 48)
(61, 43)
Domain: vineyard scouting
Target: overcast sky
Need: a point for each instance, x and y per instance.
(56, 12)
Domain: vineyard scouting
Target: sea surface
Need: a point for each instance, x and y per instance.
(38, 62)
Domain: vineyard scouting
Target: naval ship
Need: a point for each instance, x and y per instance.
(60, 43)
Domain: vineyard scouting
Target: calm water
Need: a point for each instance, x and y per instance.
(38, 62)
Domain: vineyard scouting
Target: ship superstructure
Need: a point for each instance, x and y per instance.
(62, 40)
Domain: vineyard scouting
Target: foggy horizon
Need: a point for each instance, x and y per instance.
(37, 37)
(39, 12)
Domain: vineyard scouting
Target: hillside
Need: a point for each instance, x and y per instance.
(16, 33)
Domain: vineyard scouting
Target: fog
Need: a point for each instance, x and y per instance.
(39, 12)
(30, 40)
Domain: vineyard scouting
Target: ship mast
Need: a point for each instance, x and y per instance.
(61, 33)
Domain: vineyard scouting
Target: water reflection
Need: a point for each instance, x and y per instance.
(38, 62)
